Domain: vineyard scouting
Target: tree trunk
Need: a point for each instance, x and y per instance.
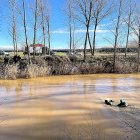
(73, 40)
(15, 37)
(43, 30)
(16, 44)
(25, 31)
(94, 38)
(85, 45)
(128, 32)
(44, 36)
(14, 41)
(70, 37)
(138, 51)
(127, 40)
(35, 24)
(89, 42)
(116, 35)
(115, 51)
(49, 38)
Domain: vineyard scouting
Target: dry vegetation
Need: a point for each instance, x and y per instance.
(86, 14)
(61, 65)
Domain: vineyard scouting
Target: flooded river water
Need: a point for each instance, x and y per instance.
(70, 107)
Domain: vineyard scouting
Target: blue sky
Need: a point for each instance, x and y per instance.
(59, 32)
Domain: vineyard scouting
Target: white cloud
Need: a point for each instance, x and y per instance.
(91, 31)
(64, 31)
(5, 47)
(60, 31)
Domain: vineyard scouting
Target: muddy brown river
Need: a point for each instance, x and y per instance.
(70, 108)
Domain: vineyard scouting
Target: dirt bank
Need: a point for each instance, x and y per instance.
(61, 65)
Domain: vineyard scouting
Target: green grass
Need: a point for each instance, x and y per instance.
(19, 53)
(60, 54)
(1, 60)
(97, 54)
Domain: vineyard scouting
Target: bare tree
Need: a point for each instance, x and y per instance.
(138, 47)
(128, 20)
(25, 29)
(101, 9)
(117, 27)
(0, 17)
(42, 10)
(85, 17)
(70, 15)
(35, 27)
(13, 31)
(135, 26)
(48, 28)
(73, 37)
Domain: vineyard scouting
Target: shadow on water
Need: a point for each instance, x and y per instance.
(89, 128)
(67, 107)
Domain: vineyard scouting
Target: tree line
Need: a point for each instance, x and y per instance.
(122, 15)
(40, 12)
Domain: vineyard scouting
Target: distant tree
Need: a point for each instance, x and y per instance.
(36, 14)
(135, 26)
(119, 5)
(0, 18)
(48, 28)
(13, 25)
(84, 16)
(45, 24)
(101, 9)
(70, 15)
(128, 20)
(42, 10)
(25, 28)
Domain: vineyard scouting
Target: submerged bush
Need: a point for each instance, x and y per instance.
(10, 72)
(125, 68)
(87, 68)
(33, 71)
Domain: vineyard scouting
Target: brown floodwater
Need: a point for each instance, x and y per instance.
(68, 107)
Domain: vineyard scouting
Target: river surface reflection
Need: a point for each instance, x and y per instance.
(45, 107)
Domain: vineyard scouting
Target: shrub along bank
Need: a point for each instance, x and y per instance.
(61, 65)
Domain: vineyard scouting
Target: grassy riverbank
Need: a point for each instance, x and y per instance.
(64, 65)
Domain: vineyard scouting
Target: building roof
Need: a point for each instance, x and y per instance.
(36, 45)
